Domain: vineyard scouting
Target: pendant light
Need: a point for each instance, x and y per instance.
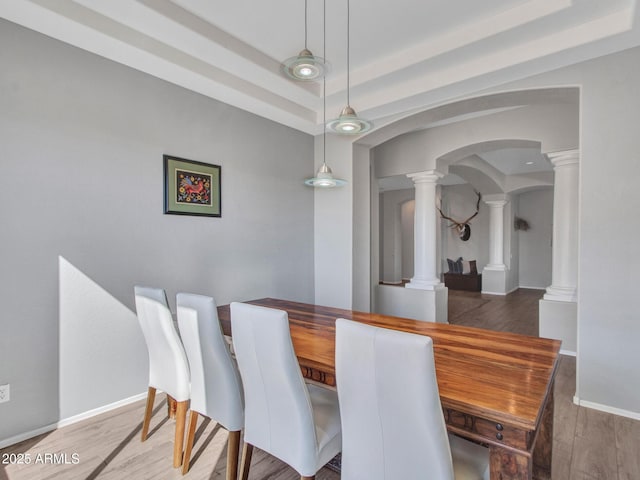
(305, 66)
(348, 122)
(324, 176)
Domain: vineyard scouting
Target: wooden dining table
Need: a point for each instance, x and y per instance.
(496, 388)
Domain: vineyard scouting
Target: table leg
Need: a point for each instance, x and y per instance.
(542, 450)
(507, 464)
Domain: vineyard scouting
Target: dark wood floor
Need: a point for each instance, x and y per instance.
(587, 444)
(516, 312)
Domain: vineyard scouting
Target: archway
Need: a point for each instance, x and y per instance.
(546, 118)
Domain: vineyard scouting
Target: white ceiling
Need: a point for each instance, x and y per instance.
(517, 161)
(406, 55)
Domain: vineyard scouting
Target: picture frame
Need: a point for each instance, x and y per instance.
(191, 187)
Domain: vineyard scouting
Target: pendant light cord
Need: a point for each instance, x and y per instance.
(305, 24)
(348, 48)
(324, 82)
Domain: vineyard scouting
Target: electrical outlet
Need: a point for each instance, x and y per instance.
(5, 393)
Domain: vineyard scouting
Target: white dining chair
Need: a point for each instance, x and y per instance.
(285, 417)
(216, 387)
(392, 421)
(168, 366)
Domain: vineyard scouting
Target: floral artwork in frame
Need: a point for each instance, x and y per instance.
(191, 187)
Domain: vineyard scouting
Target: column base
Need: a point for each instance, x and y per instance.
(559, 320)
(561, 294)
(496, 267)
(418, 304)
(434, 284)
(494, 280)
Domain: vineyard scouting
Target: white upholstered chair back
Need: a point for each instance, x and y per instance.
(168, 365)
(216, 388)
(392, 421)
(280, 412)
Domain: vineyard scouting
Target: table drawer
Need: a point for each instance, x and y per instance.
(491, 431)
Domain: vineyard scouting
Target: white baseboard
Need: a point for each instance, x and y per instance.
(97, 411)
(27, 435)
(71, 420)
(532, 288)
(568, 352)
(486, 292)
(606, 408)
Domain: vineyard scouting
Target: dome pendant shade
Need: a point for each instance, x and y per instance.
(304, 67)
(348, 123)
(324, 179)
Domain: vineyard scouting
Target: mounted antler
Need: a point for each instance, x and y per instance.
(464, 229)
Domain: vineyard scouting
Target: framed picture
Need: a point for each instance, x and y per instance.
(191, 188)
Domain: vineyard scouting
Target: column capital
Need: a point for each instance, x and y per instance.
(496, 200)
(428, 176)
(565, 157)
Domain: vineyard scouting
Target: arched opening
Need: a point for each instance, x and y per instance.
(485, 145)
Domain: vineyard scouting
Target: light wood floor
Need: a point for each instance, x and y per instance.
(587, 444)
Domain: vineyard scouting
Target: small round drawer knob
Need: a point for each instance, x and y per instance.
(499, 436)
(499, 427)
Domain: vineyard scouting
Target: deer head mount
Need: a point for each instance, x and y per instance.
(464, 229)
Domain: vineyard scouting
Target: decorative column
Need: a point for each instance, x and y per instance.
(496, 205)
(425, 274)
(564, 273)
(559, 306)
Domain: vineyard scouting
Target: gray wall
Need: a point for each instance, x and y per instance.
(512, 245)
(536, 207)
(408, 215)
(82, 220)
(608, 320)
(393, 242)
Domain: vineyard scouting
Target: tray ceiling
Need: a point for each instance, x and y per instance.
(406, 55)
